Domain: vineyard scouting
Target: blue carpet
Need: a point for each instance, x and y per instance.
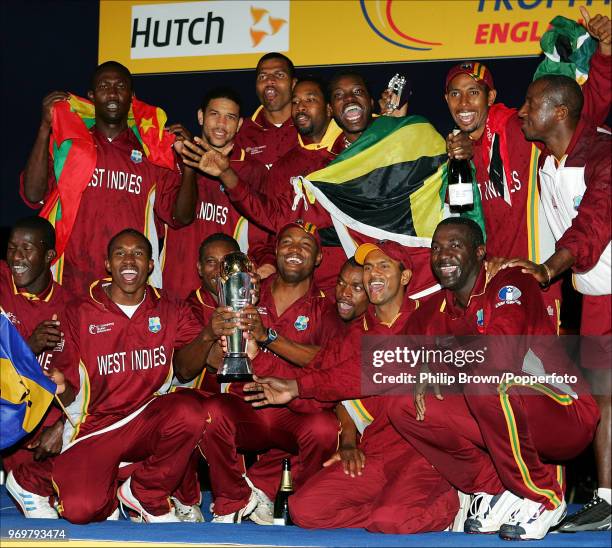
(249, 533)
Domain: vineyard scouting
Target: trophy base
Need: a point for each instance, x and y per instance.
(235, 377)
(236, 368)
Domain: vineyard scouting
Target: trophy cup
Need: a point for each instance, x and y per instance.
(396, 85)
(234, 289)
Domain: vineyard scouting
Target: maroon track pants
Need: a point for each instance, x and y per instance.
(162, 437)
(398, 492)
(236, 426)
(510, 441)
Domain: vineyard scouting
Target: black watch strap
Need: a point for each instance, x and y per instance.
(271, 337)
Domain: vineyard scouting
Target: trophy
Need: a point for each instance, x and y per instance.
(396, 85)
(234, 289)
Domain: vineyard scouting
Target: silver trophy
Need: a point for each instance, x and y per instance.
(234, 289)
(396, 85)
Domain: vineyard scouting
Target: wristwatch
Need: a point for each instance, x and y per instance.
(271, 337)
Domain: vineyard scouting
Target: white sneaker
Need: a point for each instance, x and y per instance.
(114, 516)
(127, 498)
(458, 524)
(239, 515)
(191, 514)
(31, 504)
(264, 511)
(532, 521)
(489, 512)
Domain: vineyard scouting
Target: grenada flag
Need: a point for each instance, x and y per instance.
(74, 158)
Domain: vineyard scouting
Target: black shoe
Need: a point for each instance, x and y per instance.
(593, 516)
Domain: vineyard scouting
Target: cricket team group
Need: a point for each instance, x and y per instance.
(125, 317)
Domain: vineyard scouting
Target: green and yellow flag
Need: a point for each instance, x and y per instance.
(390, 184)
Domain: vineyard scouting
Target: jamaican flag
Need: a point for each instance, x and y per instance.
(74, 158)
(389, 184)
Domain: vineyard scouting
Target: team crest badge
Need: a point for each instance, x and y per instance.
(136, 156)
(301, 323)
(508, 295)
(154, 324)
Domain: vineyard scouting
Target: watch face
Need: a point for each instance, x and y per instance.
(273, 335)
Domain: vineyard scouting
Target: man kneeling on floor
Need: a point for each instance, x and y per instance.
(123, 344)
(381, 483)
(502, 437)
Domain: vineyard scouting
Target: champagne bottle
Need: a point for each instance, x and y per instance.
(460, 188)
(281, 502)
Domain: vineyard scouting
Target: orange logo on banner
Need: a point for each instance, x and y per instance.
(273, 26)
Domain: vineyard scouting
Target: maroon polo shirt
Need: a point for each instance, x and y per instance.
(263, 141)
(118, 363)
(124, 191)
(26, 310)
(507, 217)
(214, 213)
(312, 319)
(335, 374)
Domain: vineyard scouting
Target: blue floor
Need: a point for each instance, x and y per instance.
(249, 533)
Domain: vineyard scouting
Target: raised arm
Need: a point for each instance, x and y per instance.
(36, 172)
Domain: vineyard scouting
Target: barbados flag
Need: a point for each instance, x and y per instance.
(25, 392)
(74, 158)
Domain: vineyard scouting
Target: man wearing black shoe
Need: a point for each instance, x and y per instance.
(576, 184)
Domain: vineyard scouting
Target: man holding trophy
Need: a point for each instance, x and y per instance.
(290, 324)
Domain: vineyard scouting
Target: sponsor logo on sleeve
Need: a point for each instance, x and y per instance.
(508, 294)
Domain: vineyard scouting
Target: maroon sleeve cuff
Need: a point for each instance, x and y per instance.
(307, 387)
(240, 192)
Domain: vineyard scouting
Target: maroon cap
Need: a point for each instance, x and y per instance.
(476, 70)
(309, 228)
(391, 249)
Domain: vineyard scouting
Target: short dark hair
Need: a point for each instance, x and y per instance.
(351, 262)
(40, 224)
(319, 82)
(277, 55)
(214, 238)
(563, 90)
(475, 232)
(347, 74)
(114, 65)
(131, 232)
(221, 92)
